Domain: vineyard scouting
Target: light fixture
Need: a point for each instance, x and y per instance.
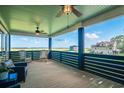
(67, 9)
(37, 32)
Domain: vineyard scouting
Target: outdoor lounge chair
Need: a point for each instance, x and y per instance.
(44, 56)
(20, 68)
(23, 56)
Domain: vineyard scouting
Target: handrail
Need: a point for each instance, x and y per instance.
(66, 52)
(105, 56)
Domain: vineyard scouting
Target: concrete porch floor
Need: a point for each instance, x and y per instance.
(56, 75)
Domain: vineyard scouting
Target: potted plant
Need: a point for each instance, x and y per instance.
(3, 73)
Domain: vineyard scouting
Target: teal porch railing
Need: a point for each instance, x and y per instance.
(108, 66)
(15, 55)
(69, 58)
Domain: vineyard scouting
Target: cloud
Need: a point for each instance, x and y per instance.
(37, 42)
(98, 32)
(91, 36)
(24, 39)
(65, 42)
(59, 39)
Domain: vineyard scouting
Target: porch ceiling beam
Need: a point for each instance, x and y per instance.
(119, 11)
(3, 28)
(18, 32)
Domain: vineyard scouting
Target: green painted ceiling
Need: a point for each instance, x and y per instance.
(24, 18)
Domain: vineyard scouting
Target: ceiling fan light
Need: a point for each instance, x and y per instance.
(67, 9)
(37, 32)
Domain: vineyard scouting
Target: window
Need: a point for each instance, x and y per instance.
(0, 42)
(66, 42)
(109, 33)
(28, 43)
(4, 46)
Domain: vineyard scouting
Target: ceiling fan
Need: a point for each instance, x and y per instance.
(68, 9)
(38, 32)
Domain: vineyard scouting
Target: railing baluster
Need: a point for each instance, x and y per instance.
(64, 57)
(108, 66)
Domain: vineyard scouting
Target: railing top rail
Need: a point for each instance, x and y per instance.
(117, 57)
(28, 51)
(66, 52)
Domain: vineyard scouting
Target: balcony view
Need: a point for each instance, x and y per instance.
(97, 40)
(61, 46)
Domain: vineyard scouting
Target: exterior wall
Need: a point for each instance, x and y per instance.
(102, 50)
(105, 48)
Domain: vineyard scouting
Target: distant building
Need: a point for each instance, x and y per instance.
(74, 48)
(105, 47)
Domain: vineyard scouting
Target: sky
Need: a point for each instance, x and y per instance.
(27, 41)
(102, 31)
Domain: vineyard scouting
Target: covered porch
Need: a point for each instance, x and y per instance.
(63, 68)
(52, 74)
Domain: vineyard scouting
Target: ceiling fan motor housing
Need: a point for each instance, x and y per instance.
(37, 31)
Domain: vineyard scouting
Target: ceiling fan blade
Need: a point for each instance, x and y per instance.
(60, 13)
(76, 12)
(44, 33)
(41, 31)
